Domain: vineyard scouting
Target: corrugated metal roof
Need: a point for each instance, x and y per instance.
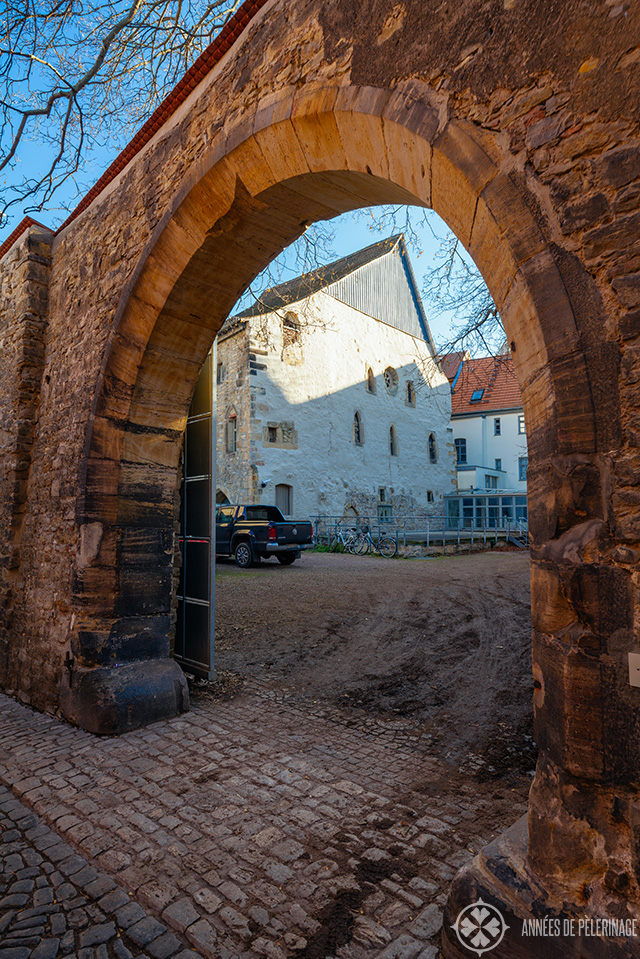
(377, 280)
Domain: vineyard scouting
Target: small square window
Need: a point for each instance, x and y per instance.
(476, 396)
(521, 426)
(272, 434)
(498, 464)
(497, 427)
(430, 497)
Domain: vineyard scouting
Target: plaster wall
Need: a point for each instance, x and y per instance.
(484, 447)
(315, 389)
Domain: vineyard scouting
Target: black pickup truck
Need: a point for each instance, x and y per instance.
(252, 533)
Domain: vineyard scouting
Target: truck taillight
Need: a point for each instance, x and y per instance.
(272, 533)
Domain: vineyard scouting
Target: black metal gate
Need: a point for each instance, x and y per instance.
(194, 645)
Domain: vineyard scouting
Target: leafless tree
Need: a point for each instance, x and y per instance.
(76, 74)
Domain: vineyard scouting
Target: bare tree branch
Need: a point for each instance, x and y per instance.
(75, 74)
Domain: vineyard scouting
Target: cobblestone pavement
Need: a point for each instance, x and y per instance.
(53, 902)
(249, 828)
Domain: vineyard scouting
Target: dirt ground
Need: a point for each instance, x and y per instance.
(437, 649)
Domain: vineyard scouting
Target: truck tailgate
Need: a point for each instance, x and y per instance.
(290, 533)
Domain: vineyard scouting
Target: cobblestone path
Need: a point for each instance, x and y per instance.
(54, 903)
(249, 828)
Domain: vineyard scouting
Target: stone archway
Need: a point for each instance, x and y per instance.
(266, 153)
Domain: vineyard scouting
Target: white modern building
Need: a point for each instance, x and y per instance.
(490, 437)
(329, 398)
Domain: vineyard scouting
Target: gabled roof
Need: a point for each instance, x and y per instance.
(450, 363)
(492, 380)
(391, 296)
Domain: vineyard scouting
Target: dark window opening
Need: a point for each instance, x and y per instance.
(358, 436)
(371, 383)
(231, 433)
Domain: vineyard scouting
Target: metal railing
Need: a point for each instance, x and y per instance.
(430, 530)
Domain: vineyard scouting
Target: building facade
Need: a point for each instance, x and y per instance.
(490, 440)
(329, 398)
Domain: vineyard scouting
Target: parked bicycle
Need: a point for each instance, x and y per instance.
(343, 537)
(365, 543)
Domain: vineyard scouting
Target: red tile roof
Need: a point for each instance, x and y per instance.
(194, 75)
(496, 377)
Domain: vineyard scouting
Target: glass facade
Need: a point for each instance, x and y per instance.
(479, 511)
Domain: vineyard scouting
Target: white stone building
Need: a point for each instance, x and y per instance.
(330, 401)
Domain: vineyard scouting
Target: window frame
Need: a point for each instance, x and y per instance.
(460, 444)
(231, 432)
(410, 399)
(523, 466)
(358, 430)
(370, 381)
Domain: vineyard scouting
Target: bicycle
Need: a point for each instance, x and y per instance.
(343, 537)
(385, 545)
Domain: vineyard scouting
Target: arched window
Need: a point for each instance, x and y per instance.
(221, 498)
(290, 329)
(411, 394)
(393, 441)
(231, 432)
(370, 381)
(433, 450)
(358, 432)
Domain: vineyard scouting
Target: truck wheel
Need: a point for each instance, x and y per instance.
(244, 555)
(287, 559)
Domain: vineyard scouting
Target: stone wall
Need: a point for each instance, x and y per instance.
(23, 323)
(561, 129)
(233, 469)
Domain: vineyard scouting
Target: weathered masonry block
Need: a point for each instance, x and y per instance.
(519, 123)
(24, 283)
